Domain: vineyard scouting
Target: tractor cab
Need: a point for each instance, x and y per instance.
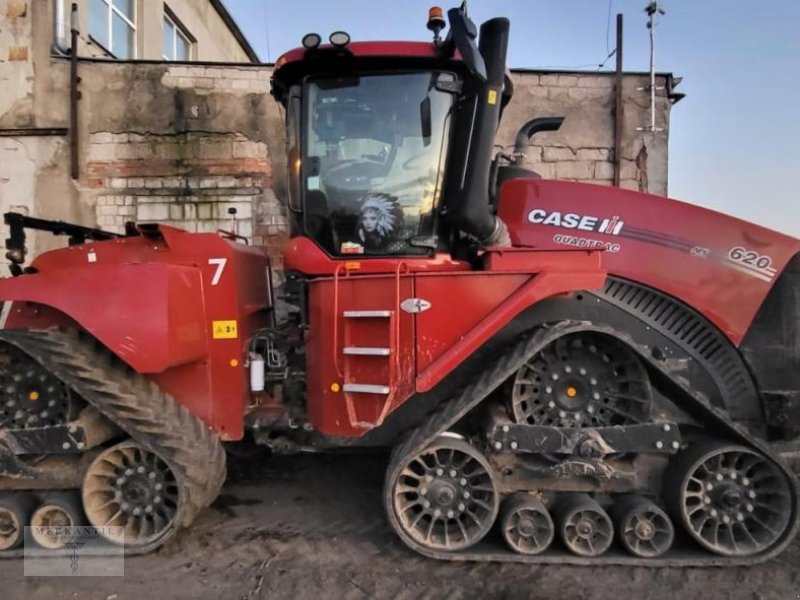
(389, 144)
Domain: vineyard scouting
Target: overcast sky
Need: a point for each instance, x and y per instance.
(734, 139)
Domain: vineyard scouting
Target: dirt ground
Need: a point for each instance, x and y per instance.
(313, 527)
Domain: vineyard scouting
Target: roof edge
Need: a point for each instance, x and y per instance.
(237, 33)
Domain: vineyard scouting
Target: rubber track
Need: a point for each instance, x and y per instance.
(449, 413)
(151, 417)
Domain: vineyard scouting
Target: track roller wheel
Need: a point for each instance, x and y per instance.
(131, 487)
(444, 498)
(732, 500)
(643, 528)
(526, 525)
(584, 527)
(15, 512)
(59, 510)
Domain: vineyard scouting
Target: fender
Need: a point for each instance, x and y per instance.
(149, 315)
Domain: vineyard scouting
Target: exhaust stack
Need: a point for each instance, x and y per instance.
(473, 214)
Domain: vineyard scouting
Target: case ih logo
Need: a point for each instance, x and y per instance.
(610, 226)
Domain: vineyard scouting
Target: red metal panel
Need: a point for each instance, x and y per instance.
(467, 308)
(503, 298)
(303, 255)
(722, 266)
(329, 369)
(154, 302)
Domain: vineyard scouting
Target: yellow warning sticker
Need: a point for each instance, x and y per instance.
(492, 99)
(224, 330)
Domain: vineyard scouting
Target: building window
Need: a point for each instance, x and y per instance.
(112, 24)
(177, 41)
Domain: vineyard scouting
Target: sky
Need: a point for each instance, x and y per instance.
(734, 139)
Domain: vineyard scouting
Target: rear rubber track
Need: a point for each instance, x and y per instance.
(148, 415)
(450, 412)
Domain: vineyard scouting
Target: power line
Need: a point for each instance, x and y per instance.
(608, 29)
(266, 30)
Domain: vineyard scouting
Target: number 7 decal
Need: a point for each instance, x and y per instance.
(220, 264)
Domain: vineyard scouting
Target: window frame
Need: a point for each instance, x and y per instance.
(111, 10)
(178, 30)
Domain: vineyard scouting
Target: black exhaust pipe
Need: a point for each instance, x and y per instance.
(472, 214)
(528, 130)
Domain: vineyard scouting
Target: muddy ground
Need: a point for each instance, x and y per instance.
(313, 527)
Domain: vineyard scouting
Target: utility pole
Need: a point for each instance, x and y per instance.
(652, 10)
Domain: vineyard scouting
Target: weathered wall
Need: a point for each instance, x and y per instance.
(582, 149)
(183, 144)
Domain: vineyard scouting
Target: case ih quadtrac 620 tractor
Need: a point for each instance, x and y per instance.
(565, 372)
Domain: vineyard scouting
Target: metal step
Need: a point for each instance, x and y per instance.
(365, 388)
(363, 351)
(362, 314)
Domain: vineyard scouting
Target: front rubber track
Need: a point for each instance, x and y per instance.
(150, 416)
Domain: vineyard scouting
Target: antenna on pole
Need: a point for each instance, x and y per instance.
(652, 9)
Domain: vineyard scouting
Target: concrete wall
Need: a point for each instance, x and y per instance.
(182, 144)
(583, 148)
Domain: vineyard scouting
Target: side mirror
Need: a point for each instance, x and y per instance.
(425, 120)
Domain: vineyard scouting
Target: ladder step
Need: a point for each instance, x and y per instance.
(365, 388)
(356, 314)
(359, 351)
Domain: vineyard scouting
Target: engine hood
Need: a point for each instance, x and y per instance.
(720, 265)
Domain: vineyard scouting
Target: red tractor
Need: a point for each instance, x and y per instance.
(547, 359)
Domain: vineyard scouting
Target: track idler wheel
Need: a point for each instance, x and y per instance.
(584, 527)
(643, 528)
(731, 499)
(444, 498)
(58, 511)
(130, 487)
(526, 525)
(15, 513)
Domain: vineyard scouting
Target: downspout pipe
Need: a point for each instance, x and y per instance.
(74, 93)
(473, 214)
(60, 27)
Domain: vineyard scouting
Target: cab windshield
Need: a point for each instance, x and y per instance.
(373, 159)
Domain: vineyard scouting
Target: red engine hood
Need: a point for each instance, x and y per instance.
(721, 266)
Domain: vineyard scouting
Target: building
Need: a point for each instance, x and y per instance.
(183, 142)
(176, 30)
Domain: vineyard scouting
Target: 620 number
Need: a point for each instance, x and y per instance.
(748, 257)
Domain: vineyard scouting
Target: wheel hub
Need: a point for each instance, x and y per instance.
(574, 395)
(644, 531)
(731, 497)
(445, 495)
(585, 529)
(582, 380)
(526, 527)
